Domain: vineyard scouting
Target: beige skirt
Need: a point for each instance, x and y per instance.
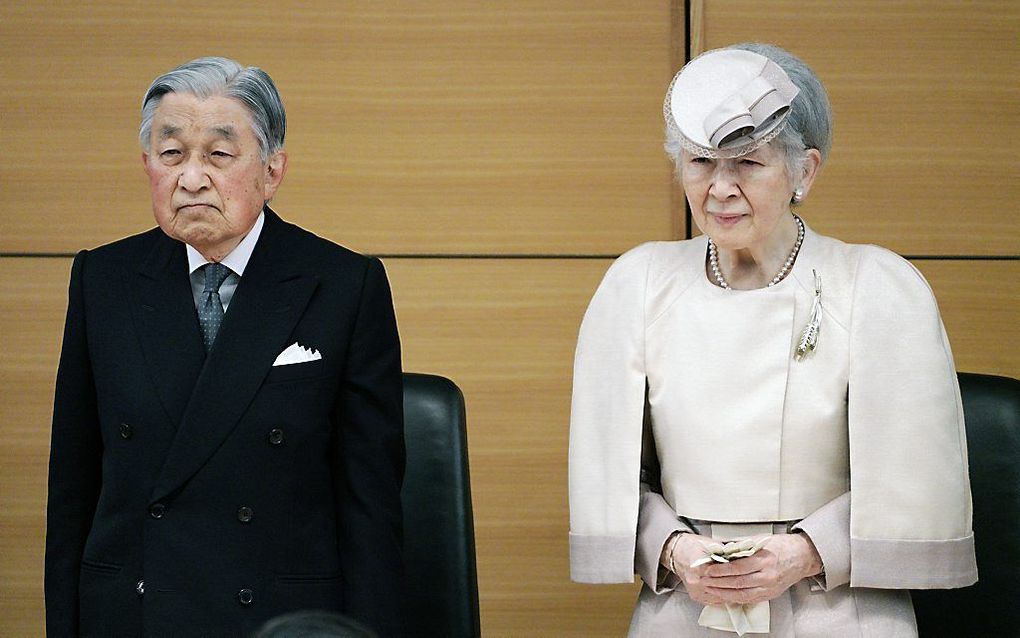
(803, 611)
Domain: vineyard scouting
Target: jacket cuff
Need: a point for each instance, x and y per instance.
(912, 564)
(601, 559)
(656, 523)
(828, 527)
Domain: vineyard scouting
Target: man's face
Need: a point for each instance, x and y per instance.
(207, 179)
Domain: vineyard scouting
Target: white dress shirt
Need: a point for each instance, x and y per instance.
(236, 261)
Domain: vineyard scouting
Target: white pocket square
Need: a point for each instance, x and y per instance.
(296, 353)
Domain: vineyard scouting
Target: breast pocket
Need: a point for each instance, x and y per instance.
(296, 371)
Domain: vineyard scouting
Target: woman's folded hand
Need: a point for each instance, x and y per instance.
(785, 560)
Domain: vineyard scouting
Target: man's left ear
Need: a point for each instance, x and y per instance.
(811, 167)
(276, 168)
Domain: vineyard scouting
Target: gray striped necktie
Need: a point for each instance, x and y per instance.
(210, 312)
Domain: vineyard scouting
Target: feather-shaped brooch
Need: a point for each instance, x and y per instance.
(809, 336)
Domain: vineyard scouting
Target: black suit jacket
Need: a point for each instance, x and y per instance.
(202, 495)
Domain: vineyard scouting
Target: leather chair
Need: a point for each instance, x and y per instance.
(441, 597)
(991, 407)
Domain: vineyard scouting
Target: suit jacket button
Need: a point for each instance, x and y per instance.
(244, 514)
(276, 436)
(140, 587)
(245, 596)
(125, 431)
(157, 511)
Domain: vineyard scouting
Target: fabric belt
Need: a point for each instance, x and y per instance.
(736, 531)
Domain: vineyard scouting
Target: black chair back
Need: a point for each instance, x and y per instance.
(991, 407)
(441, 598)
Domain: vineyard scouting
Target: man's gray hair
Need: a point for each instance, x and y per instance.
(810, 121)
(209, 77)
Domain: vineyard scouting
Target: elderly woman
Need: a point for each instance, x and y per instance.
(793, 390)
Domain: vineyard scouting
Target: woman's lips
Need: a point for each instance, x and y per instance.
(727, 219)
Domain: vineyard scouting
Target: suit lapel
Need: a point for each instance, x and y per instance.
(164, 313)
(270, 299)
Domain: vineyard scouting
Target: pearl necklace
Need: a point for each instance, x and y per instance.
(713, 258)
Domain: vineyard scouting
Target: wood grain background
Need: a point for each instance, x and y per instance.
(498, 155)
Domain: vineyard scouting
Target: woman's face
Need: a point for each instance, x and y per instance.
(738, 202)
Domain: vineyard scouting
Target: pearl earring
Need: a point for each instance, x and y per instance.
(798, 196)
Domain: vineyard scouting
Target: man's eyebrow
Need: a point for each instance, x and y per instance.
(226, 132)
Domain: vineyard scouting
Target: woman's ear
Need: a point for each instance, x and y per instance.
(809, 170)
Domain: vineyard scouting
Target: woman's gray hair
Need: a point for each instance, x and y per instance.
(212, 76)
(810, 121)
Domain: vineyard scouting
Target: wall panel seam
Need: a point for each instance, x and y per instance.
(465, 256)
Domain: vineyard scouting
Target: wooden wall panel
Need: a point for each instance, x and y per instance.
(504, 330)
(33, 298)
(980, 306)
(925, 96)
(444, 127)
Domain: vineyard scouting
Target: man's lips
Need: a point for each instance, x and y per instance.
(193, 205)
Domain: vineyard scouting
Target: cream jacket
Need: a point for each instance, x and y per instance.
(745, 433)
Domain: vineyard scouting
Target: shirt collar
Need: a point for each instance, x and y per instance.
(238, 258)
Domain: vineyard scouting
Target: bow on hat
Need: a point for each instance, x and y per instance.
(753, 110)
(728, 102)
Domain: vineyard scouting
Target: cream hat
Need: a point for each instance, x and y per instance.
(728, 102)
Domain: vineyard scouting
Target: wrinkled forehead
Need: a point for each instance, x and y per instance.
(728, 103)
(180, 114)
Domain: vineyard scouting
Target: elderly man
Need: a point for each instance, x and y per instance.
(227, 431)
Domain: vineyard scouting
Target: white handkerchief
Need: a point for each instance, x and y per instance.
(740, 619)
(296, 353)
